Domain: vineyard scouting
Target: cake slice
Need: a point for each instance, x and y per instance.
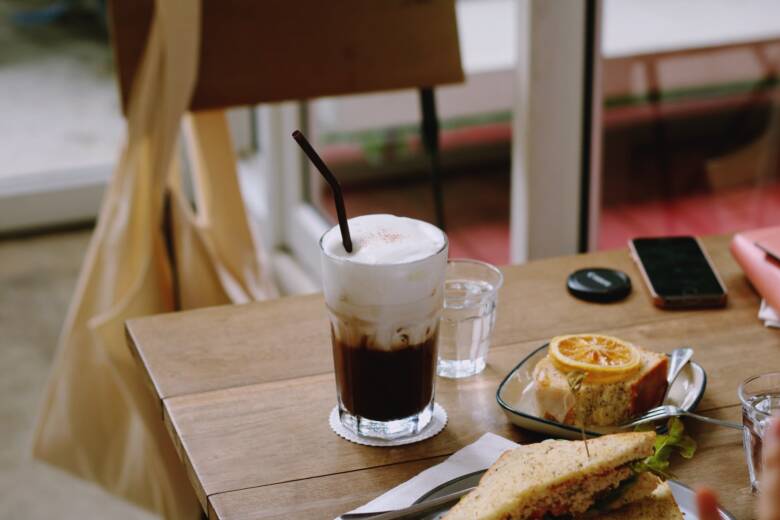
(600, 404)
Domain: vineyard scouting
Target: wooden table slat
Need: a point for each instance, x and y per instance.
(315, 498)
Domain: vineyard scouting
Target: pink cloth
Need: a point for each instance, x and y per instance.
(762, 270)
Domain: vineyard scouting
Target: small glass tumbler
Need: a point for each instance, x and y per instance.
(760, 397)
(469, 315)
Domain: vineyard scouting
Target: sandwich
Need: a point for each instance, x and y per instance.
(618, 381)
(615, 476)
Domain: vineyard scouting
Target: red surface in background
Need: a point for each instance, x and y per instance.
(476, 231)
(724, 211)
(477, 205)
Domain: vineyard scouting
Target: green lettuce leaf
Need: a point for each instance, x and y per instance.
(675, 440)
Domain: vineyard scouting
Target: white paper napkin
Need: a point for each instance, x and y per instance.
(474, 457)
(769, 315)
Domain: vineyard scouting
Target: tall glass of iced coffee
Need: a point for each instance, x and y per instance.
(384, 300)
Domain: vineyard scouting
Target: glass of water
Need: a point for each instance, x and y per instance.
(760, 396)
(470, 297)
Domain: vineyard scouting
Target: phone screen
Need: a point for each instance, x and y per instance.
(677, 267)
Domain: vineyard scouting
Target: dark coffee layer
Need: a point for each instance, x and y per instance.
(385, 385)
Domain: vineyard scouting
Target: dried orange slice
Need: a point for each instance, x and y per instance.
(603, 359)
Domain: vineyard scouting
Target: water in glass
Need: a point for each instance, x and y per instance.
(756, 412)
(466, 326)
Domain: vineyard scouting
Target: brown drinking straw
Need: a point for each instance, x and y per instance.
(317, 161)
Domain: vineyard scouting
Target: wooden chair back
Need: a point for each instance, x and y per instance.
(275, 50)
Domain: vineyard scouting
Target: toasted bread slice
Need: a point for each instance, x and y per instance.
(597, 404)
(554, 476)
(660, 505)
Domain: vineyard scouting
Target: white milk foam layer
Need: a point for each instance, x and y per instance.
(385, 239)
(387, 293)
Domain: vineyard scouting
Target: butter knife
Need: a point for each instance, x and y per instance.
(411, 512)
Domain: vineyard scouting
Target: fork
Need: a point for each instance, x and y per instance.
(669, 410)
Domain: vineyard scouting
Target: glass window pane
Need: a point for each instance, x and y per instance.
(691, 123)
(373, 144)
(60, 104)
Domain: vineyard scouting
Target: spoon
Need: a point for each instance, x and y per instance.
(668, 410)
(678, 358)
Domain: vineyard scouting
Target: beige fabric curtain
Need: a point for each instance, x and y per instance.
(99, 421)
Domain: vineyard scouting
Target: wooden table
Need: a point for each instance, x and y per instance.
(245, 391)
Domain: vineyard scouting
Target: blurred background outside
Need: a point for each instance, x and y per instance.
(688, 127)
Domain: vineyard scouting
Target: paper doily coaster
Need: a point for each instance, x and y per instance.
(437, 424)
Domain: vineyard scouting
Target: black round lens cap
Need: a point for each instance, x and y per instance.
(599, 284)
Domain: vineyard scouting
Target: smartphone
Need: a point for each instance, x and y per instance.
(678, 272)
